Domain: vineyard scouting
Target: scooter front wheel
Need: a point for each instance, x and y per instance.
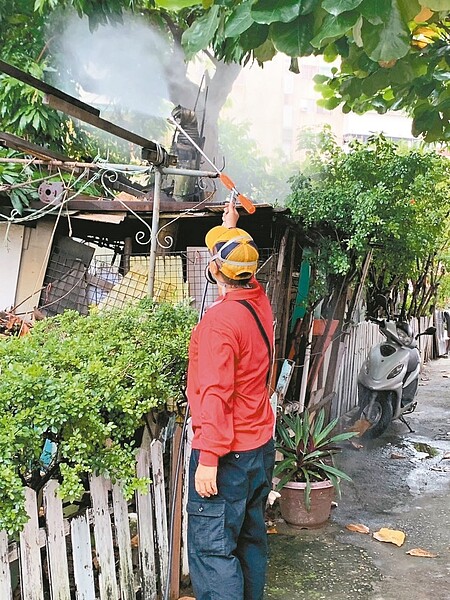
(378, 412)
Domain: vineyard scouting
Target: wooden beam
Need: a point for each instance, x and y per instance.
(45, 87)
(88, 114)
(77, 112)
(18, 143)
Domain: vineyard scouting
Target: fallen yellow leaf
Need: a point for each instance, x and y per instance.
(360, 426)
(393, 536)
(357, 527)
(421, 552)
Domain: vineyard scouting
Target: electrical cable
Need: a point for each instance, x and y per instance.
(166, 594)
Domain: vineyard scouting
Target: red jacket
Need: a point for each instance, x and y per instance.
(226, 386)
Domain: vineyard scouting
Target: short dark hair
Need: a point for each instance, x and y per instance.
(236, 282)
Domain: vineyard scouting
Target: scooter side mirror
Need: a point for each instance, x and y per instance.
(428, 331)
(383, 302)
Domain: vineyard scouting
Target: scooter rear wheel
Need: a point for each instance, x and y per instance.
(378, 413)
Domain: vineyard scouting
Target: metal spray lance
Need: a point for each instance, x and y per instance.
(246, 203)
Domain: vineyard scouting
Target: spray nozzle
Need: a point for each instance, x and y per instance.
(245, 202)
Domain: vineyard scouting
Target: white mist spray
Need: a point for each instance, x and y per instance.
(118, 67)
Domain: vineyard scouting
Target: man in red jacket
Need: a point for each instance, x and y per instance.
(232, 449)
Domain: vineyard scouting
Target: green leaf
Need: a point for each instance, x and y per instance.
(318, 423)
(304, 429)
(379, 80)
(265, 52)
(320, 79)
(16, 203)
(336, 472)
(376, 11)
(337, 7)
(273, 11)
(254, 36)
(285, 479)
(323, 435)
(308, 6)
(284, 434)
(427, 123)
(441, 76)
(401, 72)
(294, 39)
(176, 4)
(239, 21)
(409, 9)
(330, 53)
(436, 5)
(329, 103)
(201, 32)
(334, 27)
(36, 120)
(388, 41)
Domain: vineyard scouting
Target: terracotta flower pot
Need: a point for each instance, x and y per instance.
(293, 509)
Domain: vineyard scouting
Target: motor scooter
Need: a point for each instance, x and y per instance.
(389, 377)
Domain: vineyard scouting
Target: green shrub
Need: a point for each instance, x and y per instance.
(85, 383)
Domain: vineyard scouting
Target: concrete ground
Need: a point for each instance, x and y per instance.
(400, 481)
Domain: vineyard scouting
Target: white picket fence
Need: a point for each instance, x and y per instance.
(92, 556)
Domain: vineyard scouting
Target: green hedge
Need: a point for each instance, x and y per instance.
(84, 383)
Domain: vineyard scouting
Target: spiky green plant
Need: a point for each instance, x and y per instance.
(308, 447)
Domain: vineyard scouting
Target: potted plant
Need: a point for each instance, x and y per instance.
(306, 476)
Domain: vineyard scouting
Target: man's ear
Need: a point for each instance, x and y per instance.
(213, 269)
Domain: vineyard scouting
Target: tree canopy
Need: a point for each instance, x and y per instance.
(379, 198)
(395, 54)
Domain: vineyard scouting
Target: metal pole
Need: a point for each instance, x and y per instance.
(191, 172)
(154, 236)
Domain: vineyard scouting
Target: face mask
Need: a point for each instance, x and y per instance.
(209, 276)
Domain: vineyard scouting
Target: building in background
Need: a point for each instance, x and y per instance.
(281, 107)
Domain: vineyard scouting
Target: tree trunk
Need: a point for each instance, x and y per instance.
(208, 103)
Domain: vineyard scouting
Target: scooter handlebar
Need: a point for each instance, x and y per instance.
(379, 322)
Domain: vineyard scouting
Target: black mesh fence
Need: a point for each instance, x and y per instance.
(108, 280)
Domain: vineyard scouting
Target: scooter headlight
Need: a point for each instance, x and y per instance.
(395, 371)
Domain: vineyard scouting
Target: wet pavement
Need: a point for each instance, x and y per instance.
(400, 481)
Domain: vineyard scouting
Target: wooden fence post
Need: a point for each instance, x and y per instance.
(160, 509)
(123, 539)
(177, 489)
(103, 539)
(82, 558)
(5, 573)
(145, 528)
(56, 543)
(30, 552)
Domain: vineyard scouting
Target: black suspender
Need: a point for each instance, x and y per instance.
(249, 307)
